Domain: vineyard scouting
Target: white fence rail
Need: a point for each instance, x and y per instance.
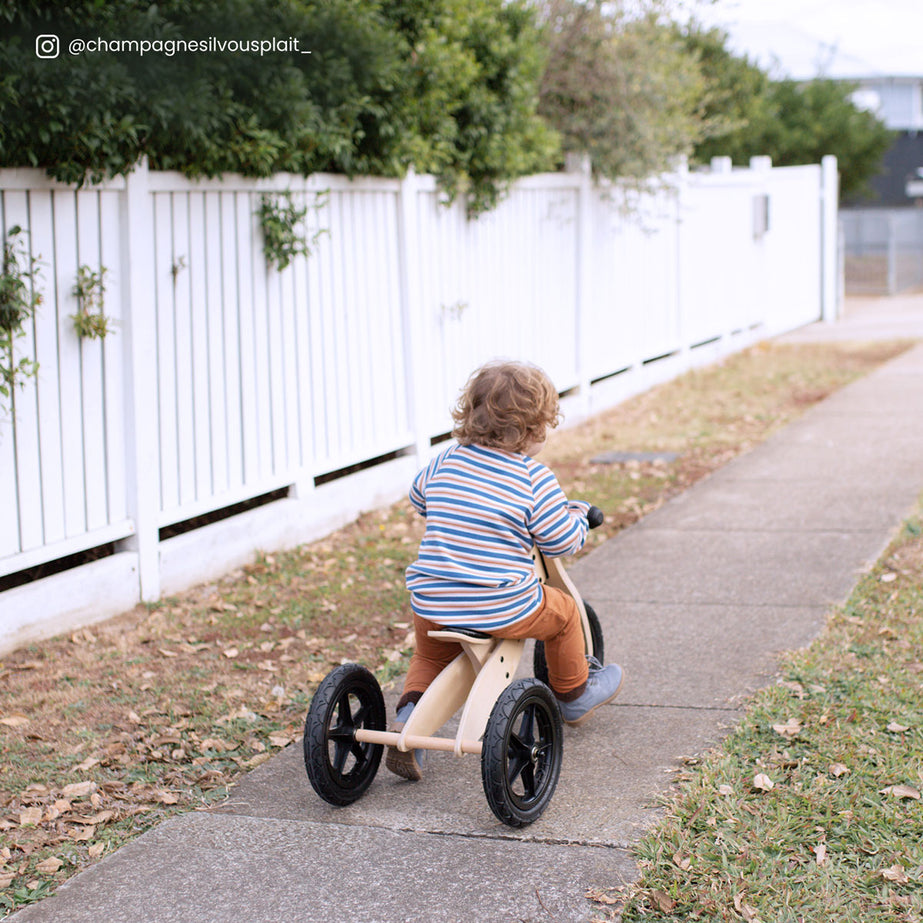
(225, 380)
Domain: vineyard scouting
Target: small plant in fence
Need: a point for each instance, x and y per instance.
(283, 227)
(18, 301)
(90, 321)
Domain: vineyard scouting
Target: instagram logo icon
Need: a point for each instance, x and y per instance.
(47, 46)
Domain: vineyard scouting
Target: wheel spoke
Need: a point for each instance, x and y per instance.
(520, 765)
(528, 780)
(342, 734)
(340, 755)
(360, 714)
(344, 713)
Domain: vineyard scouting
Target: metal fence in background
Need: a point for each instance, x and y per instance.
(883, 250)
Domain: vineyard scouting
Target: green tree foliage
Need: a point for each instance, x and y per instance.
(620, 86)
(818, 118)
(471, 93)
(93, 115)
(736, 97)
(748, 114)
(448, 86)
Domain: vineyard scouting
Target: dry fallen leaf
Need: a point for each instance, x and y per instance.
(901, 791)
(896, 728)
(78, 789)
(31, 817)
(820, 853)
(725, 790)
(49, 866)
(790, 729)
(605, 897)
(762, 782)
(661, 901)
(213, 743)
(14, 721)
(838, 769)
(99, 818)
(896, 874)
(744, 909)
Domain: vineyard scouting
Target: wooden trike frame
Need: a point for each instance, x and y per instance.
(514, 725)
(473, 681)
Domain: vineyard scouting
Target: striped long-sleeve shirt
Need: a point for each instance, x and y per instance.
(484, 510)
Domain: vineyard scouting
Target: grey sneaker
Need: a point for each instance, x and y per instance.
(602, 686)
(404, 763)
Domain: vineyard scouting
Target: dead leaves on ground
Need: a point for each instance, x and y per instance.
(48, 830)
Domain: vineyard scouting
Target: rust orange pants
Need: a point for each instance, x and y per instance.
(556, 622)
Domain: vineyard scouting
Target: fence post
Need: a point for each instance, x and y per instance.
(139, 320)
(829, 197)
(579, 166)
(681, 199)
(414, 360)
(892, 253)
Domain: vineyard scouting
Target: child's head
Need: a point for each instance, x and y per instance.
(506, 405)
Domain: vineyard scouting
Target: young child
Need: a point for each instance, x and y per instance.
(487, 501)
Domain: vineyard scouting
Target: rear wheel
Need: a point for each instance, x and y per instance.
(339, 767)
(523, 747)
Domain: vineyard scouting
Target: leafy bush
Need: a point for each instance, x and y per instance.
(446, 86)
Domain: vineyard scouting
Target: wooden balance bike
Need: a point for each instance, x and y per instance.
(514, 725)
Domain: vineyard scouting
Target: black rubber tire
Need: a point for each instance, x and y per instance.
(540, 664)
(523, 748)
(339, 767)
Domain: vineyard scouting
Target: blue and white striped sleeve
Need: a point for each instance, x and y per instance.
(418, 487)
(558, 525)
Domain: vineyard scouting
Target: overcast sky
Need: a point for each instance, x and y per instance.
(836, 38)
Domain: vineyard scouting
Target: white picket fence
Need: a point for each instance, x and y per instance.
(225, 380)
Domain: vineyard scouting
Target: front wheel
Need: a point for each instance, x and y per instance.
(540, 664)
(523, 747)
(339, 767)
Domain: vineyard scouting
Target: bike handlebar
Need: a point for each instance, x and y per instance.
(595, 517)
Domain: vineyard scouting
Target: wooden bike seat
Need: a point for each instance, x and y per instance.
(461, 634)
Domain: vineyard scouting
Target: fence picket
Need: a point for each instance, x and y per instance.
(168, 272)
(41, 220)
(24, 398)
(213, 331)
(112, 364)
(198, 321)
(91, 367)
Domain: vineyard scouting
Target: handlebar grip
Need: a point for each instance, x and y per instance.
(595, 517)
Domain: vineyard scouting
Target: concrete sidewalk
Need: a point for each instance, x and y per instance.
(696, 602)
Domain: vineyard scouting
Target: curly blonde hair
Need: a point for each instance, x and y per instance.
(506, 405)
